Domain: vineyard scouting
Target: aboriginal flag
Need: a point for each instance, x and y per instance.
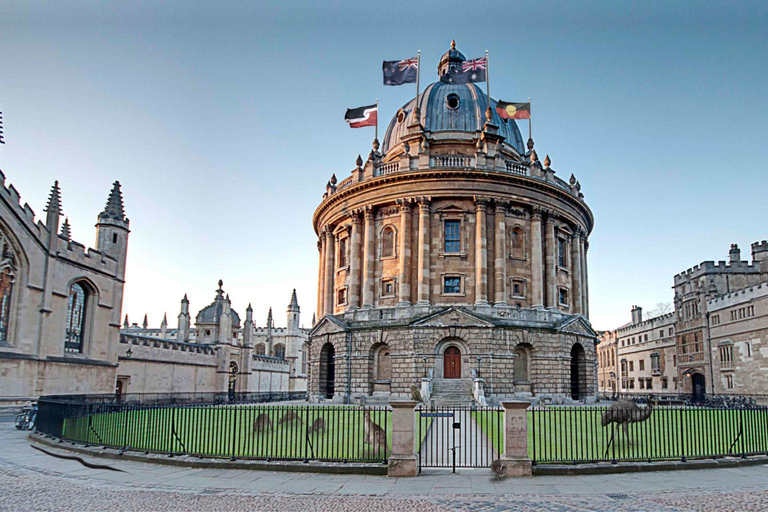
(362, 116)
(513, 110)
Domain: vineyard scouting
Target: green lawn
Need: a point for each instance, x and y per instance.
(567, 434)
(226, 431)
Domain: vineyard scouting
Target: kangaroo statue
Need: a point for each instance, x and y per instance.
(375, 436)
(290, 417)
(317, 426)
(263, 424)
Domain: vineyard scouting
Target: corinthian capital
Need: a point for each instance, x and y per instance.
(369, 212)
(481, 202)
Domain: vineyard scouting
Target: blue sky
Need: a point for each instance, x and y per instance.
(224, 121)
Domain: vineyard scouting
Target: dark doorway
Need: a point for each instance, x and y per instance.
(119, 390)
(578, 372)
(452, 363)
(698, 386)
(232, 388)
(328, 370)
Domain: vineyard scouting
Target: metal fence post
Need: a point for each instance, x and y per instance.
(403, 461)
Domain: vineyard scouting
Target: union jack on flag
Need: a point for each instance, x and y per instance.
(408, 63)
(474, 65)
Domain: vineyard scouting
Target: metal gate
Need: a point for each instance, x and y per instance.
(459, 437)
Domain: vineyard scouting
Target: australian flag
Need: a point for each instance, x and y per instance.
(399, 72)
(471, 71)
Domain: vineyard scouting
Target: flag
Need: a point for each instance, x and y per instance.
(399, 72)
(471, 71)
(513, 110)
(361, 116)
(2, 140)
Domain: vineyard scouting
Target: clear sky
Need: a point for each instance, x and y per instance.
(224, 120)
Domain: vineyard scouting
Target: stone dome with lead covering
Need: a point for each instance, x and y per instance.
(451, 112)
(212, 313)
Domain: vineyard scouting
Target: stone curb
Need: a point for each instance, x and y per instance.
(339, 468)
(644, 467)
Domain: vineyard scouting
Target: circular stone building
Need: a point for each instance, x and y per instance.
(454, 260)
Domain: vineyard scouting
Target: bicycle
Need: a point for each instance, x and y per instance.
(27, 419)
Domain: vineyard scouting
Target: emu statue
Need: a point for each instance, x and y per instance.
(374, 434)
(263, 424)
(290, 417)
(416, 394)
(623, 412)
(317, 426)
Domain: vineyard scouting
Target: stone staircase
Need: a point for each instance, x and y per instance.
(451, 392)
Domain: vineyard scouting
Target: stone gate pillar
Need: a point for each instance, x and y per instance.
(516, 439)
(402, 461)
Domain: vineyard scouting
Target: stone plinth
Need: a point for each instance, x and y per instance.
(403, 462)
(516, 439)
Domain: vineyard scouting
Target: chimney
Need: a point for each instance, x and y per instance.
(637, 315)
(735, 254)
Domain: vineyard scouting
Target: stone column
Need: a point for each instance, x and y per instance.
(551, 261)
(320, 275)
(354, 262)
(330, 271)
(481, 252)
(576, 272)
(516, 439)
(500, 263)
(585, 287)
(424, 243)
(537, 285)
(403, 461)
(369, 256)
(404, 274)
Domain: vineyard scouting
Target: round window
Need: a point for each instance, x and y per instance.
(401, 115)
(452, 101)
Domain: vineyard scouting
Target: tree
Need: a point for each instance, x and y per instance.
(661, 308)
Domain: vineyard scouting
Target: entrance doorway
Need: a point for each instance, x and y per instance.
(452, 363)
(578, 372)
(698, 386)
(328, 370)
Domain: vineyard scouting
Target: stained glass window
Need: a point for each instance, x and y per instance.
(6, 289)
(75, 319)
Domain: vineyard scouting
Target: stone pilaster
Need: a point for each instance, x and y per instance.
(404, 274)
(481, 252)
(585, 279)
(551, 261)
(320, 275)
(424, 243)
(369, 258)
(576, 272)
(330, 271)
(516, 439)
(537, 270)
(500, 262)
(354, 263)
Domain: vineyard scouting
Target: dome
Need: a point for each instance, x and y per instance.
(212, 313)
(456, 111)
(452, 56)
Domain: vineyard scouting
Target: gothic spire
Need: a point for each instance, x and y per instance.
(114, 208)
(146, 324)
(269, 319)
(54, 200)
(66, 234)
(294, 305)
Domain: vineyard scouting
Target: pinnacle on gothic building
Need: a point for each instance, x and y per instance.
(114, 208)
(66, 233)
(294, 305)
(54, 200)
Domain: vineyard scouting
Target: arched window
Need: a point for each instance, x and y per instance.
(517, 243)
(7, 278)
(280, 351)
(383, 364)
(522, 363)
(260, 349)
(76, 315)
(388, 242)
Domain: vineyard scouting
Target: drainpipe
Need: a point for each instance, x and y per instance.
(709, 355)
(348, 398)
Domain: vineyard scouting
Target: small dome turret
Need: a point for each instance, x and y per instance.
(450, 59)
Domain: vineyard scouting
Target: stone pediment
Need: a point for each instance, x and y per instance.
(328, 325)
(452, 317)
(578, 325)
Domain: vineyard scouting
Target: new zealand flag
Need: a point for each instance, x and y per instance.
(471, 71)
(399, 72)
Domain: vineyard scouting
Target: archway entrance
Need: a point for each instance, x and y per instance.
(232, 388)
(327, 370)
(452, 363)
(698, 386)
(578, 372)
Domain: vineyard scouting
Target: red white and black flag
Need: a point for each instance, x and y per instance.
(362, 116)
(513, 110)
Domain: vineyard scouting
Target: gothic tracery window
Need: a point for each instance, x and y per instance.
(7, 278)
(76, 314)
(280, 351)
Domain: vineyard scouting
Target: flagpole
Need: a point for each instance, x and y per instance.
(488, 84)
(530, 136)
(376, 135)
(416, 110)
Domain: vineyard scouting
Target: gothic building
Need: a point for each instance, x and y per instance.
(453, 257)
(60, 303)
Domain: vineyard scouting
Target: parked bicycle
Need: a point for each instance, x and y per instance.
(27, 418)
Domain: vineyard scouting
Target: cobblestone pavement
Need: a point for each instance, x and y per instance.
(32, 480)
